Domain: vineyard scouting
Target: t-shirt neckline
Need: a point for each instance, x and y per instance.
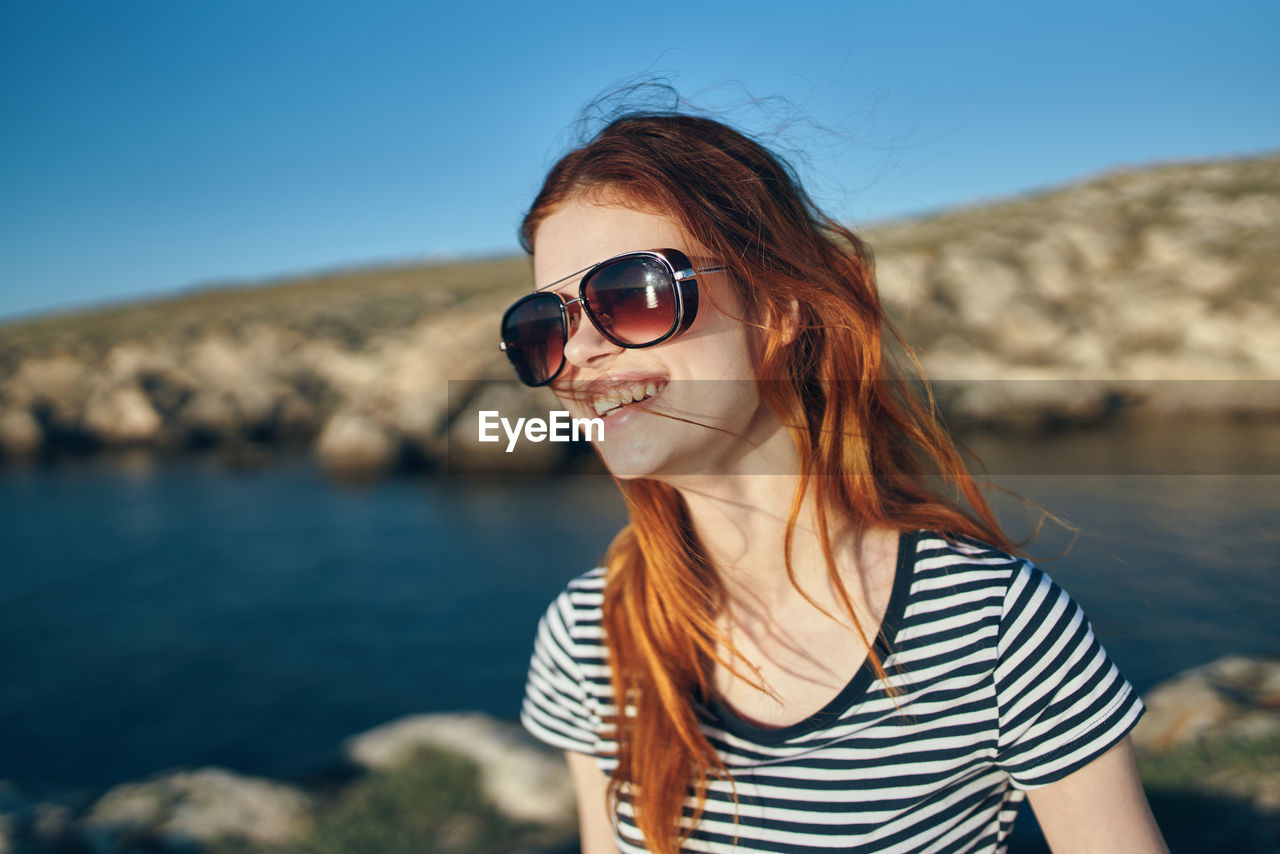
(724, 717)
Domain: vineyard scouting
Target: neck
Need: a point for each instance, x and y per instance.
(741, 518)
(741, 523)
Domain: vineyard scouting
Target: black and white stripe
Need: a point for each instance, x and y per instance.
(1001, 687)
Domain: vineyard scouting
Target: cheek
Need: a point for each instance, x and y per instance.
(725, 342)
(727, 356)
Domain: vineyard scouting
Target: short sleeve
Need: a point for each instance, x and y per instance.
(1062, 701)
(560, 706)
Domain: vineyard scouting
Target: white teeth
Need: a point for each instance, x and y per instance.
(616, 398)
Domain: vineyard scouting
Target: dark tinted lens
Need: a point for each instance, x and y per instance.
(633, 300)
(533, 330)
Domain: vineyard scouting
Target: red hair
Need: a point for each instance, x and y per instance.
(872, 452)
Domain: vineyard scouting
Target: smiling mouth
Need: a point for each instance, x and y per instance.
(615, 399)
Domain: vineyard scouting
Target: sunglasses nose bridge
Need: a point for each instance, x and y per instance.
(585, 342)
(573, 315)
(573, 308)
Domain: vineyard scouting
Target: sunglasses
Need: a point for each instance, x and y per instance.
(634, 300)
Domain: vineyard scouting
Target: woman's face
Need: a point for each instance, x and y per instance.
(704, 375)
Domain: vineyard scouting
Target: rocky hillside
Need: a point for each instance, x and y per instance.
(1145, 289)
(1156, 287)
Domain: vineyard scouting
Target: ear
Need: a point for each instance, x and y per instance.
(790, 322)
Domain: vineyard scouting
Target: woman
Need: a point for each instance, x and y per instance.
(813, 616)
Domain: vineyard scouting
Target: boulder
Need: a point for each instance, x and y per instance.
(209, 417)
(1232, 697)
(524, 779)
(353, 444)
(182, 810)
(20, 433)
(296, 418)
(121, 415)
(53, 825)
(13, 809)
(54, 384)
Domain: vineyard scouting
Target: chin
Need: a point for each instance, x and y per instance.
(635, 457)
(667, 451)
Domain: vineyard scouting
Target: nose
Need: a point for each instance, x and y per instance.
(586, 347)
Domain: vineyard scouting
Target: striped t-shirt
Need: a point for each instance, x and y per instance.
(1002, 687)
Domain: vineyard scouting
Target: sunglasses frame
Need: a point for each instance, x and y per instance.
(682, 272)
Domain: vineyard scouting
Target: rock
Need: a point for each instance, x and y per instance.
(181, 810)
(258, 406)
(523, 778)
(980, 285)
(121, 416)
(354, 445)
(1260, 789)
(901, 278)
(54, 384)
(219, 362)
(210, 417)
(168, 387)
(241, 392)
(127, 362)
(296, 418)
(1233, 697)
(1181, 710)
(53, 824)
(1093, 241)
(341, 370)
(27, 827)
(421, 419)
(13, 807)
(20, 433)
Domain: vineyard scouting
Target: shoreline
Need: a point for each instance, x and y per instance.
(1208, 749)
(1003, 445)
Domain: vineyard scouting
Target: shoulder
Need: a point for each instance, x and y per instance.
(961, 587)
(958, 568)
(567, 691)
(571, 629)
(955, 548)
(959, 564)
(578, 607)
(590, 582)
(949, 598)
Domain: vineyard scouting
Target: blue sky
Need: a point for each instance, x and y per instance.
(153, 145)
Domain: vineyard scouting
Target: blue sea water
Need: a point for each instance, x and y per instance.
(181, 614)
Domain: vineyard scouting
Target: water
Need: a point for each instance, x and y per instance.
(186, 615)
(153, 617)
